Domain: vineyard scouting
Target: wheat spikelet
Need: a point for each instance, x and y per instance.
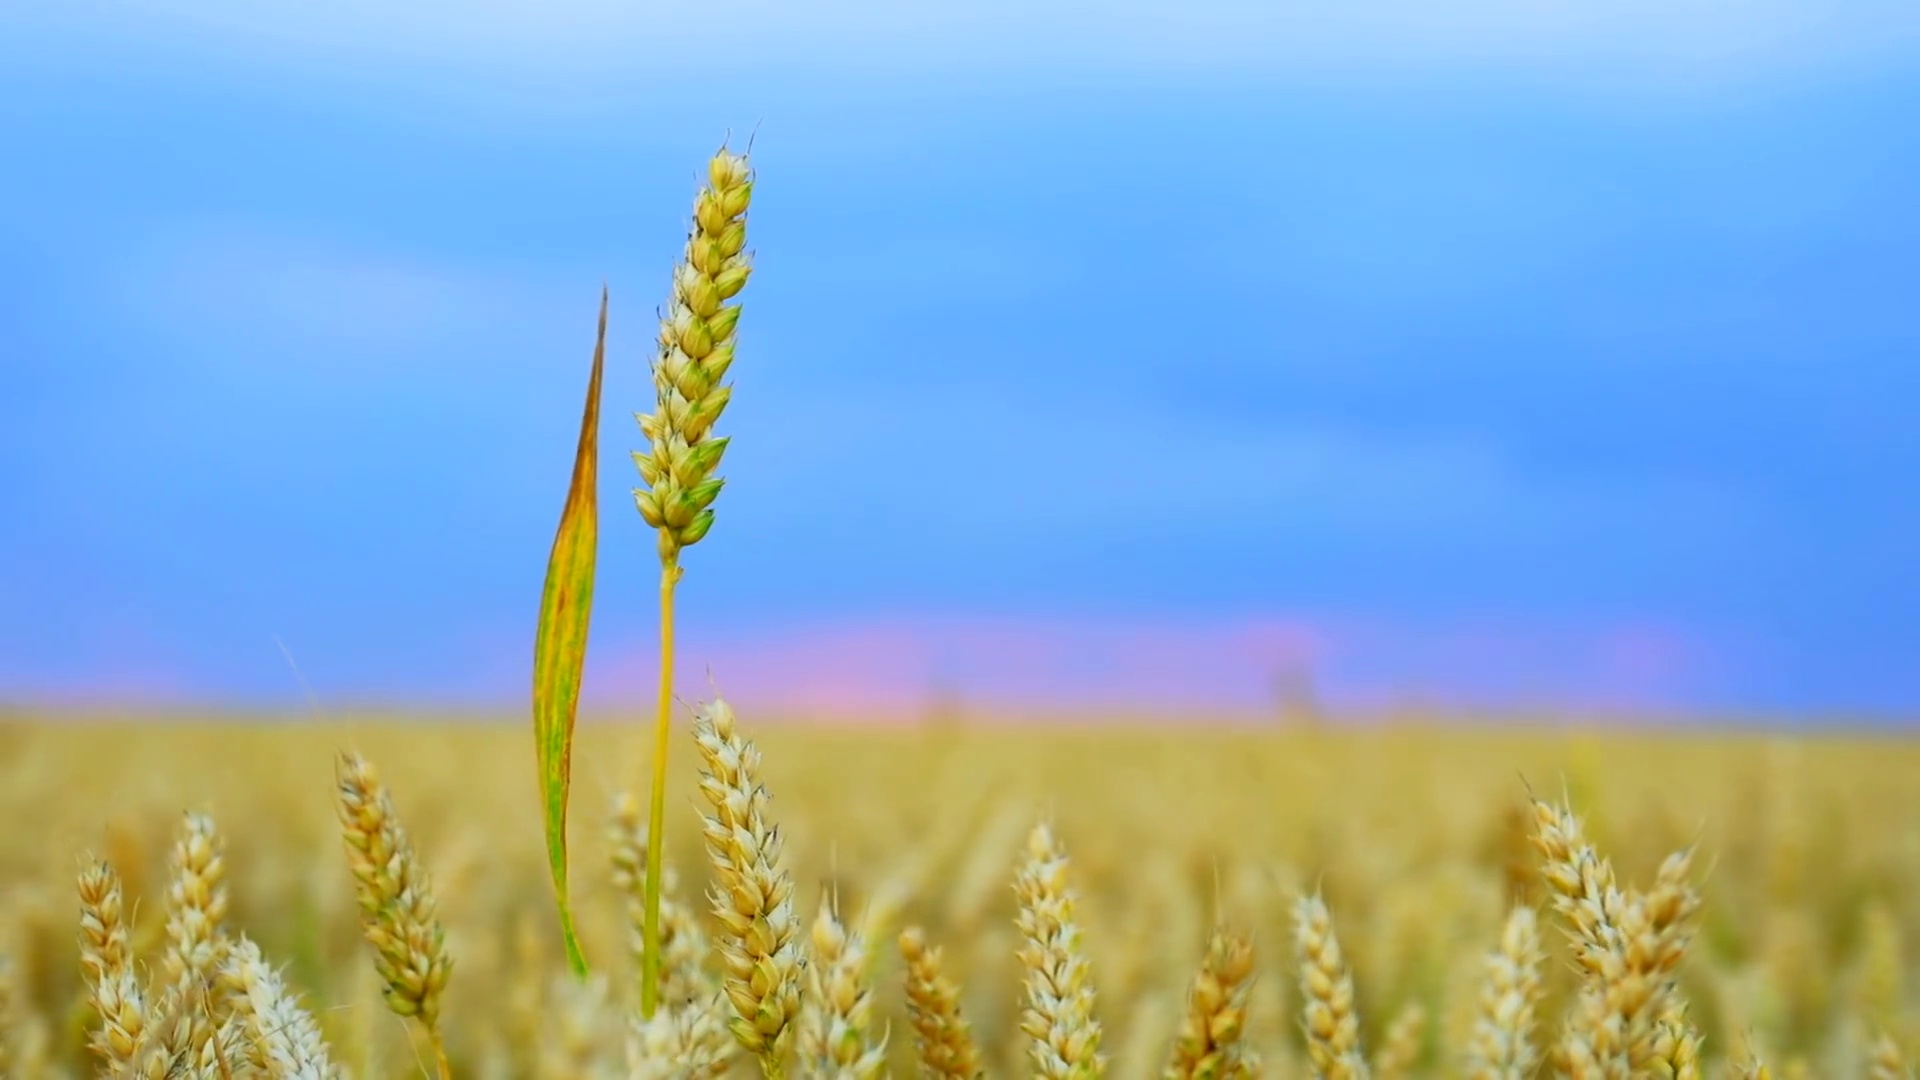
(683, 942)
(752, 895)
(1332, 1024)
(942, 1037)
(837, 1015)
(1501, 1047)
(107, 961)
(1400, 1049)
(1676, 1046)
(396, 899)
(1211, 1042)
(281, 1039)
(1064, 1038)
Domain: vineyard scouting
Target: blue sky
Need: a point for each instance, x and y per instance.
(1499, 353)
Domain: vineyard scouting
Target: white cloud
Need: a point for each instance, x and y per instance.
(564, 39)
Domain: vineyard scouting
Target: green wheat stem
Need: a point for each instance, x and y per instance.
(657, 811)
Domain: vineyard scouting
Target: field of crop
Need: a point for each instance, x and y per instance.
(1806, 862)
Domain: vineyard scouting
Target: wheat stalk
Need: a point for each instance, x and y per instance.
(683, 942)
(396, 900)
(752, 895)
(680, 466)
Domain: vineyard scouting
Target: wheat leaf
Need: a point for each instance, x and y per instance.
(560, 645)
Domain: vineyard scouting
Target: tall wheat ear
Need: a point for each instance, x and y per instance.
(1063, 1036)
(752, 894)
(395, 894)
(680, 466)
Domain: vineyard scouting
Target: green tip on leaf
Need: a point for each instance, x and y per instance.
(560, 644)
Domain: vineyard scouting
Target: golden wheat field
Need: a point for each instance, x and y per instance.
(1421, 841)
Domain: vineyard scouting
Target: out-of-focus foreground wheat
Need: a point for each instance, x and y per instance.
(1198, 903)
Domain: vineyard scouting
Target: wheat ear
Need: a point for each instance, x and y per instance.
(942, 1036)
(107, 962)
(752, 895)
(681, 463)
(1210, 1045)
(1501, 1046)
(1886, 1062)
(396, 900)
(1064, 1038)
(1399, 1050)
(1332, 1023)
(835, 1038)
(282, 1040)
(685, 1041)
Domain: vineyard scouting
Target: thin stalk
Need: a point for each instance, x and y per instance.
(439, 1054)
(657, 810)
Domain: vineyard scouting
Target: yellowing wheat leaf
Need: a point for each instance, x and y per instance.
(560, 645)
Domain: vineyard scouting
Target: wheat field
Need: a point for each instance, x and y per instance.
(1419, 839)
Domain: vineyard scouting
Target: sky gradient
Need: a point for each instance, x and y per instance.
(1112, 355)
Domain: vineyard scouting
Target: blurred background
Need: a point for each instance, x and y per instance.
(1224, 359)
